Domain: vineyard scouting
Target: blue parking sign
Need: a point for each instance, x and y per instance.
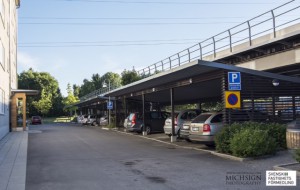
(234, 81)
(109, 105)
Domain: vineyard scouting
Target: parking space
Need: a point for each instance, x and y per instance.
(85, 157)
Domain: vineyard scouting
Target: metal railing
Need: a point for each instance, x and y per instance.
(97, 93)
(260, 25)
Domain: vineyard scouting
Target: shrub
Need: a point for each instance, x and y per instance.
(223, 138)
(252, 142)
(274, 130)
(297, 155)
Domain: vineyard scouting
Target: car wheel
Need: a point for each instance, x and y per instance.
(210, 145)
(188, 140)
(148, 130)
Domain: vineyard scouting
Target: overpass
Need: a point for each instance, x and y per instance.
(265, 48)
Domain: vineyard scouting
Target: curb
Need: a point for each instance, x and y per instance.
(283, 167)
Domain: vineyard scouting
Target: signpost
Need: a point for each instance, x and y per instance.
(234, 81)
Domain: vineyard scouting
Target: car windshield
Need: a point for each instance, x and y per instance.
(201, 118)
(35, 117)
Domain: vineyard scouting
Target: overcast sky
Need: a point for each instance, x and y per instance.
(73, 39)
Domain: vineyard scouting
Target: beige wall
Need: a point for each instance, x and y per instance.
(8, 59)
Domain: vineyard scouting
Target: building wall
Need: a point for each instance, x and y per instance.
(8, 59)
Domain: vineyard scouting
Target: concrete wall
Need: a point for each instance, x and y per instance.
(8, 58)
(278, 60)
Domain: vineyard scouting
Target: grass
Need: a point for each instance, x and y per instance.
(61, 119)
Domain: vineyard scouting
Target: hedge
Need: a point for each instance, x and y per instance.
(275, 131)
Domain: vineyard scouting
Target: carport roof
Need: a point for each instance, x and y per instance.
(189, 70)
(185, 72)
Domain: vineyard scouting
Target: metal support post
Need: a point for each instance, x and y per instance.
(144, 127)
(173, 137)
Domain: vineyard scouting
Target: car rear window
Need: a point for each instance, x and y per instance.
(35, 117)
(201, 118)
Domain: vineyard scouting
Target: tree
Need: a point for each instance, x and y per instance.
(48, 87)
(86, 88)
(76, 90)
(113, 78)
(97, 81)
(129, 77)
(44, 104)
(70, 100)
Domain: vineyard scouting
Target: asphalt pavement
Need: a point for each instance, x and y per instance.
(71, 157)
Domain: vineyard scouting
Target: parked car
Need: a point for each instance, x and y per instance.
(180, 118)
(36, 120)
(205, 126)
(125, 121)
(91, 120)
(102, 120)
(288, 113)
(154, 122)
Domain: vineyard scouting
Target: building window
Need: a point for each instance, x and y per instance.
(2, 101)
(2, 12)
(2, 56)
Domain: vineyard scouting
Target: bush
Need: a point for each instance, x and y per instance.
(223, 139)
(252, 142)
(297, 155)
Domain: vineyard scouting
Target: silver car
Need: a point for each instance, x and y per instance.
(180, 118)
(204, 127)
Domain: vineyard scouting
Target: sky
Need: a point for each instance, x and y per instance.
(73, 39)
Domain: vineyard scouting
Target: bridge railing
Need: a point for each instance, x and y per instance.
(266, 23)
(97, 93)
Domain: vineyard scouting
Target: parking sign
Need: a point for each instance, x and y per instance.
(234, 81)
(109, 105)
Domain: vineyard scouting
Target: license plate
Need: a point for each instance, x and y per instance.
(186, 127)
(195, 129)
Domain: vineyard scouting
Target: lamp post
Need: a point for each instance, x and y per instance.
(105, 85)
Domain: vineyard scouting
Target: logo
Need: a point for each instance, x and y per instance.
(243, 178)
(281, 178)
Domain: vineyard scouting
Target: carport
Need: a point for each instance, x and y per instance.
(202, 81)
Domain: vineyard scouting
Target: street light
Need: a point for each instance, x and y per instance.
(105, 85)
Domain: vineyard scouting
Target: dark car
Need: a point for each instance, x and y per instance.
(154, 122)
(36, 120)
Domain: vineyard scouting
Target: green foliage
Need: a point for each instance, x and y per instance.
(70, 100)
(274, 131)
(76, 90)
(297, 155)
(129, 77)
(86, 88)
(224, 137)
(252, 142)
(44, 104)
(49, 92)
(96, 83)
(212, 106)
(114, 79)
